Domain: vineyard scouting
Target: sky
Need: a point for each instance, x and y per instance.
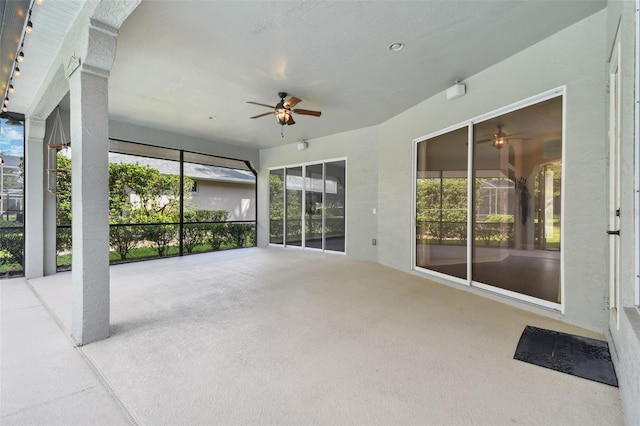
(11, 139)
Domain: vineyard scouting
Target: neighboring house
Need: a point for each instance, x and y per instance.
(214, 188)
(11, 188)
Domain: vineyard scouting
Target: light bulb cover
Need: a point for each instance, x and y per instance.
(29, 28)
(21, 56)
(11, 89)
(282, 113)
(5, 109)
(6, 100)
(499, 140)
(16, 71)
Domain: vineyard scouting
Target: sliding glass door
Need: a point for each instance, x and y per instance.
(335, 191)
(313, 199)
(441, 203)
(514, 202)
(276, 206)
(294, 201)
(314, 206)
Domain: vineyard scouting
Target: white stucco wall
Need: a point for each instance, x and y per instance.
(360, 147)
(624, 324)
(379, 162)
(572, 57)
(239, 199)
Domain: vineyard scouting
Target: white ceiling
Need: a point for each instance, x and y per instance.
(178, 63)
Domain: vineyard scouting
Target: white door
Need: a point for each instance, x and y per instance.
(614, 180)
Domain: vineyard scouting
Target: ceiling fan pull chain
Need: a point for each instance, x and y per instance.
(282, 131)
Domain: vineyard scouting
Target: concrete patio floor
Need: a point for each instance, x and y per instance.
(273, 336)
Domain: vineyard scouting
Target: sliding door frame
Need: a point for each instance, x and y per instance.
(470, 124)
(304, 200)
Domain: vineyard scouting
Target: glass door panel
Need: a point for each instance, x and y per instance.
(335, 185)
(517, 211)
(441, 203)
(293, 193)
(276, 206)
(314, 189)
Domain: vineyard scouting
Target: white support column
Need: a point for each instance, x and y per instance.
(90, 186)
(34, 198)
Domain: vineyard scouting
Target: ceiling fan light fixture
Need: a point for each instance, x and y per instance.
(499, 140)
(282, 114)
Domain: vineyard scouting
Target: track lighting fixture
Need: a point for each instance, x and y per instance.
(29, 28)
(20, 56)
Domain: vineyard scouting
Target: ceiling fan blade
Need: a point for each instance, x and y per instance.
(484, 140)
(293, 101)
(307, 112)
(264, 105)
(262, 115)
(291, 121)
(517, 133)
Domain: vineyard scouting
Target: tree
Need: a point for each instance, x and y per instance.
(139, 196)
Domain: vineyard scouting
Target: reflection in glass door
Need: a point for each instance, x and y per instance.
(307, 204)
(441, 204)
(314, 189)
(514, 244)
(335, 187)
(294, 206)
(276, 206)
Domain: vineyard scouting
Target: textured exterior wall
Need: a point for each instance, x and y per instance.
(624, 324)
(572, 57)
(238, 199)
(379, 162)
(360, 148)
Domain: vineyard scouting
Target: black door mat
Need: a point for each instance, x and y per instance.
(567, 353)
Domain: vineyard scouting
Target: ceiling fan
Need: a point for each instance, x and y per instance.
(499, 139)
(283, 110)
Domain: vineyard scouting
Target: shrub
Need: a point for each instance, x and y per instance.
(218, 233)
(239, 233)
(124, 238)
(11, 241)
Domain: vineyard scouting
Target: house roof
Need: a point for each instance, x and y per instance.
(198, 172)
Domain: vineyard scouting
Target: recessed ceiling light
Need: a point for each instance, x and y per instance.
(396, 46)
